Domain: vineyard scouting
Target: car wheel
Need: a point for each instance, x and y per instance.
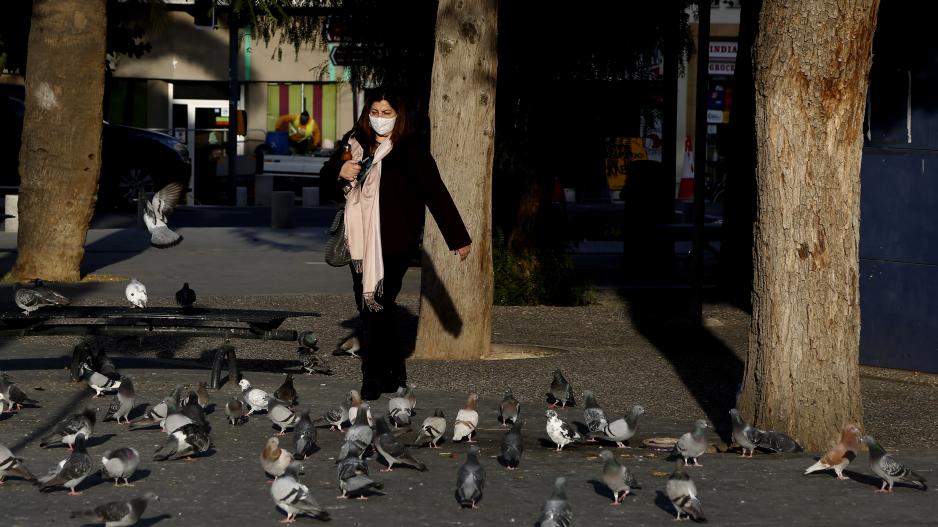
(133, 180)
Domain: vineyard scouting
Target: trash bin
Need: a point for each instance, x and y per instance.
(279, 143)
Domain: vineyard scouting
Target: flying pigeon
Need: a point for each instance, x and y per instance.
(202, 394)
(256, 398)
(12, 395)
(401, 407)
(136, 293)
(122, 403)
(841, 455)
(274, 459)
(185, 297)
(352, 473)
(683, 494)
(624, 428)
(282, 416)
(293, 498)
(98, 382)
(71, 471)
(508, 409)
(470, 480)
(336, 417)
(693, 444)
(287, 392)
(466, 420)
(68, 430)
(890, 470)
(118, 513)
(593, 414)
(557, 511)
(432, 430)
(184, 442)
(120, 464)
(561, 393)
(156, 211)
(512, 445)
(235, 411)
(559, 431)
(778, 442)
(391, 449)
(617, 477)
(11, 465)
(30, 299)
(304, 437)
(746, 436)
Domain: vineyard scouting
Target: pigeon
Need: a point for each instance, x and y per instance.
(11, 394)
(355, 401)
(561, 393)
(557, 511)
(202, 394)
(11, 465)
(466, 420)
(185, 297)
(136, 293)
(120, 464)
(401, 407)
(155, 212)
(512, 446)
(274, 459)
(118, 513)
(841, 455)
(184, 442)
(508, 409)
(194, 411)
(175, 419)
(336, 417)
(432, 430)
(617, 477)
(391, 449)
(293, 498)
(313, 363)
(152, 415)
(71, 471)
(360, 434)
(559, 431)
(593, 414)
(778, 442)
(282, 416)
(286, 392)
(68, 430)
(683, 494)
(352, 473)
(98, 382)
(30, 299)
(890, 470)
(352, 448)
(693, 444)
(470, 480)
(623, 429)
(746, 436)
(350, 346)
(235, 411)
(122, 403)
(256, 398)
(304, 437)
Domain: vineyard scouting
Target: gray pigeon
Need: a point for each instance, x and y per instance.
(175, 419)
(281, 415)
(683, 494)
(352, 473)
(293, 498)
(470, 480)
(617, 477)
(11, 465)
(67, 430)
(746, 436)
(122, 403)
(118, 513)
(12, 395)
(313, 363)
(235, 411)
(401, 407)
(184, 442)
(890, 470)
(360, 432)
(508, 409)
(693, 444)
(513, 445)
(779, 442)
(561, 393)
(287, 392)
(559, 431)
(557, 511)
(623, 429)
(157, 414)
(120, 464)
(304, 437)
(391, 449)
(71, 471)
(336, 417)
(352, 449)
(185, 297)
(432, 430)
(98, 382)
(157, 210)
(593, 414)
(30, 299)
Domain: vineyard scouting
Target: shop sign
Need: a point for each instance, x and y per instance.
(620, 151)
(716, 116)
(723, 50)
(721, 68)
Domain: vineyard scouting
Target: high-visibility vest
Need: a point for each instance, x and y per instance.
(297, 128)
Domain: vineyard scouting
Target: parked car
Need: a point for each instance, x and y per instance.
(132, 159)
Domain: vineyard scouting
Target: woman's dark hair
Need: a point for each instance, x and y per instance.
(403, 126)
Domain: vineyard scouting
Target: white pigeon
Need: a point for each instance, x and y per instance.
(559, 431)
(466, 420)
(256, 398)
(136, 293)
(156, 211)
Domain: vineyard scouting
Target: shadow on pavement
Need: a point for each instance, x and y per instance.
(663, 503)
(600, 488)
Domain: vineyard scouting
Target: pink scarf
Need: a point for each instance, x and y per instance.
(363, 225)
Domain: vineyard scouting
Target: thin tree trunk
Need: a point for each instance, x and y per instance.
(60, 157)
(812, 66)
(456, 297)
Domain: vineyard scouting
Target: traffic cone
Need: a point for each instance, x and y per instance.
(686, 189)
(557, 196)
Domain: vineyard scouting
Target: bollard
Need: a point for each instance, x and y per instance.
(263, 187)
(281, 209)
(10, 207)
(310, 197)
(241, 197)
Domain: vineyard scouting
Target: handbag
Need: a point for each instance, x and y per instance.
(337, 251)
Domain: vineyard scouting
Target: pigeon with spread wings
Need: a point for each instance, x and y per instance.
(156, 212)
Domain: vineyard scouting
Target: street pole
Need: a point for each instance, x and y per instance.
(233, 95)
(700, 150)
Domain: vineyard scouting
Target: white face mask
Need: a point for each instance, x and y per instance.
(382, 125)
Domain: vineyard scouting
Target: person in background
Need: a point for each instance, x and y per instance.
(304, 133)
(384, 214)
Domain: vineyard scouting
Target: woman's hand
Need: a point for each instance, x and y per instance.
(350, 170)
(463, 252)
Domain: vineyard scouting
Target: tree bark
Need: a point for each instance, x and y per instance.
(456, 297)
(812, 62)
(60, 156)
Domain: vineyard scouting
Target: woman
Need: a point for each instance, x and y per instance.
(384, 213)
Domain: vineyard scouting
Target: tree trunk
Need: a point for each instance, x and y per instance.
(812, 61)
(60, 157)
(456, 297)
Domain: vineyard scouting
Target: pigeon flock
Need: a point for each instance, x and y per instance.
(367, 433)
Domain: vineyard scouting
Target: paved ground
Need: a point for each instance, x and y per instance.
(628, 348)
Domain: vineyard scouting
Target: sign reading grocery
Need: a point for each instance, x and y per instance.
(721, 68)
